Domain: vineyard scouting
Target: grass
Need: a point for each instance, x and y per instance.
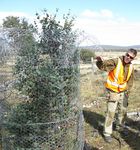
(94, 107)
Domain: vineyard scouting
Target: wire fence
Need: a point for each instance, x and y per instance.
(39, 105)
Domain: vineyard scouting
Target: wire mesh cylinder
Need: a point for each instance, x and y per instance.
(40, 107)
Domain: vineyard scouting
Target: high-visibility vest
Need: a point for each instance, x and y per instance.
(115, 80)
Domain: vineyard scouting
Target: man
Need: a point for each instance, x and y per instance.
(119, 83)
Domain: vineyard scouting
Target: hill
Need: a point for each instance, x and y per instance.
(111, 47)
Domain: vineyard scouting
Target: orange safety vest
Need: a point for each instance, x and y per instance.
(115, 80)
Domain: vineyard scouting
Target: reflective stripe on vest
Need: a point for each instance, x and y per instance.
(115, 80)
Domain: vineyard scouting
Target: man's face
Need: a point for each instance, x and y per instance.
(129, 56)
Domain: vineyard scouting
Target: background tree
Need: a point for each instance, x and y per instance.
(16, 30)
(86, 54)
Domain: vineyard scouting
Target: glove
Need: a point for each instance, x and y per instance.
(127, 93)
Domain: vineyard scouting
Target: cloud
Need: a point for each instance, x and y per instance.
(94, 14)
(100, 27)
(5, 14)
(105, 27)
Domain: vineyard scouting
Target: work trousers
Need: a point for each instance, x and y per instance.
(116, 109)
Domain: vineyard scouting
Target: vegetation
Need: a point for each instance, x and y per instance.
(86, 54)
(46, 70)
(47, 73)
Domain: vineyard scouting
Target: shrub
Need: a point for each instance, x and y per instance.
(86, 54)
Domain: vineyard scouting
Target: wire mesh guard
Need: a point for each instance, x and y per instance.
(39, 99)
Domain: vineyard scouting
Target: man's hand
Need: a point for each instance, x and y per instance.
(98, 58)
(127, 94)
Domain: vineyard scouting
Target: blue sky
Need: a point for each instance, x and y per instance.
(113, 22)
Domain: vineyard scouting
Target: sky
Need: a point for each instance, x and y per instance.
(109, 22)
